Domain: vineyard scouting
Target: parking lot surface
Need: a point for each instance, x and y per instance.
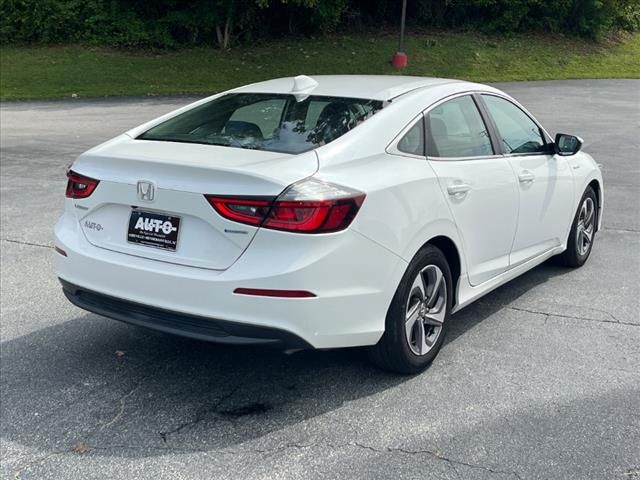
(538, 380)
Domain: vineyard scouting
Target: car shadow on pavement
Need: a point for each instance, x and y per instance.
(92, 383)
(101, 384)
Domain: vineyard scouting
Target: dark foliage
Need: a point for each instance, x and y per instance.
(172, 23)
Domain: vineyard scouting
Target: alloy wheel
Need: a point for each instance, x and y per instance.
(586, 226)
(426, 309)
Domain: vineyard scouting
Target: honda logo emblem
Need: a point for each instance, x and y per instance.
(146, 191)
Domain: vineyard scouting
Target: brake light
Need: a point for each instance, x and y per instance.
(79, 186)
(244, 210)
(310, 206)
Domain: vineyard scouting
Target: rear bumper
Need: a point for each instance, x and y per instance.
(353, 278)
(190, 326)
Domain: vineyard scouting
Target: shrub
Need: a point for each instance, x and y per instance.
(171, 23)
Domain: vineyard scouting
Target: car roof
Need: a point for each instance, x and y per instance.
(373, 87)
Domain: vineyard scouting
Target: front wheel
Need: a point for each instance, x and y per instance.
(582, 233)
(417, 318)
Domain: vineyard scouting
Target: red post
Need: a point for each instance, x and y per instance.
(400, 59)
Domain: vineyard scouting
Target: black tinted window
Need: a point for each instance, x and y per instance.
(456, 129)
(518, 133)
(271, 122)
(413, 140)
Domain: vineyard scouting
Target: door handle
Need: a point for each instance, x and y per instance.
(526, 177)
(458, 189)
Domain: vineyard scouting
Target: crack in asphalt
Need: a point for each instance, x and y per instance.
(120, 411)
(200, 416)
(620, 230)
(434, 453)
(30, 244)
(122, 401)
(150, 447)
(19, 471)
(438, 456)
(614, 320)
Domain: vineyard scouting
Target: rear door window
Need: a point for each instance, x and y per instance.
(456, 129)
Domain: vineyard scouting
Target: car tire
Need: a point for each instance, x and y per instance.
(583, 230)
(416, 322)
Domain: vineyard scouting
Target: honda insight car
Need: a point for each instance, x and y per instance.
(324, 212)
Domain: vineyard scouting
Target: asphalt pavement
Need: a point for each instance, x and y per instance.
(538, 380)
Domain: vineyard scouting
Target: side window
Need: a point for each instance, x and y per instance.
(413, 140)
(456, 129)
(263, 116)
(519, 134)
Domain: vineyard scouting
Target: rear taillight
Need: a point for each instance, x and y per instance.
(79, 186)
(310, 206)
(244, 210)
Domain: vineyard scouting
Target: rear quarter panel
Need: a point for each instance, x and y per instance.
(404, 207)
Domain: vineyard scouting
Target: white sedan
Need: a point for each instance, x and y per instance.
(324, 212)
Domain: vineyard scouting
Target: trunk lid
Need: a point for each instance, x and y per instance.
(179, 175)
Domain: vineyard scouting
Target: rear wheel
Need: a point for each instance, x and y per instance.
(582, 233)
(417, 318)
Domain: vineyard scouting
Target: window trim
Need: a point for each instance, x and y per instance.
(496, 143)
(486, 117)
(546, 138)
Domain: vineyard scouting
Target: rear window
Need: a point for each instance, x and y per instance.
(270, 122)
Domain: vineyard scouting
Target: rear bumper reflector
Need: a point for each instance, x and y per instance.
(261, 292)
(60, 251)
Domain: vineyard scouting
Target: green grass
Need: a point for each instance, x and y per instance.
(61, 71)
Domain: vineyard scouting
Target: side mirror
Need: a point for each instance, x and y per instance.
(566, 145)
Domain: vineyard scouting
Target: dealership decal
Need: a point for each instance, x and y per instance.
(155, 225)
(153, 229)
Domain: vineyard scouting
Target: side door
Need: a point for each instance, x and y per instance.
(545, 181)
(477, 181)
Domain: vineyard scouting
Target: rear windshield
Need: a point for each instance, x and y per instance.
(271, 122)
